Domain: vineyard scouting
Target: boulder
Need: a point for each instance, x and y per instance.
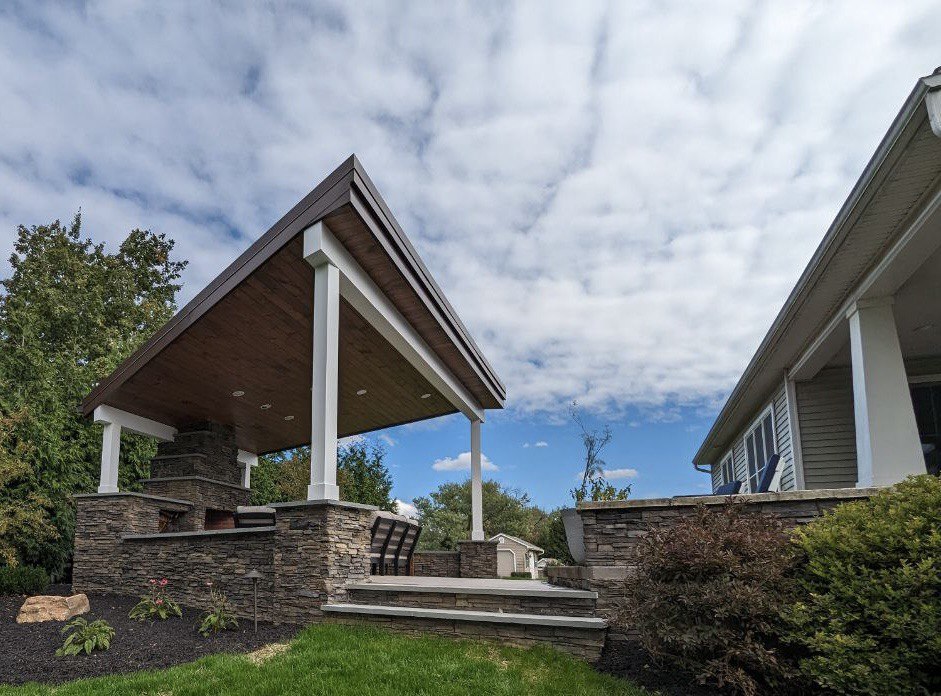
(52, 608)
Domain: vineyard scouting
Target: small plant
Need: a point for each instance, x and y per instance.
(85, 637)
(707, 596)
(156, 605)
(217, 617)
(23, 580)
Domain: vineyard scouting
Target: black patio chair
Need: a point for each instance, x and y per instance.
(770, 468)
(393, 542)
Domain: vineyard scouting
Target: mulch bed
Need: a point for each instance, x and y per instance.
(629, 660)
(28, 652)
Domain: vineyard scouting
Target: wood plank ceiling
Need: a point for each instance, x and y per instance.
(257, 340)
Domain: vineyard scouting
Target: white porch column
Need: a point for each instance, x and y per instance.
(477, 506)
(887, 443)
(248, 461)
(110, 453)
(323, 427)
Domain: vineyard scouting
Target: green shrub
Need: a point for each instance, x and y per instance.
(156, 605)
(216, 617)
(85, 637)
(23, 580)
(869, 617)
(707, 596)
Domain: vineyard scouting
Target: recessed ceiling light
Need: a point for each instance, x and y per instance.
(265, 407)
(289, 418)
(426, 396)
(360, 392)
(238, 392)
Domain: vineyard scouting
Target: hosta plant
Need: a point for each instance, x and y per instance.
(156, 605)
(216, 617)
(83, 636)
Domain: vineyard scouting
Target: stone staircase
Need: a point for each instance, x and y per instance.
(515, 612)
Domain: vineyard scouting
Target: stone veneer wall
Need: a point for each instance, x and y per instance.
(478, 559)
(319, 546)
(612, 529)
(191, 559)
(306, 560)
(204, 449)
(436, 564)
(100, 521)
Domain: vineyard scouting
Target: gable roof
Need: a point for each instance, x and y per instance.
(901, 175)
(522, 542)
(270, 282)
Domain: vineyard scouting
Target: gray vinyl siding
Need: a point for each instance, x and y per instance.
(782, 427)
(782, 431)
(827, 427)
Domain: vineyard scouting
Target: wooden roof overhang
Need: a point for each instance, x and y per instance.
(250, 330)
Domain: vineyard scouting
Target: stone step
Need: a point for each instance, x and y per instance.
(582, 636)
(543, 601)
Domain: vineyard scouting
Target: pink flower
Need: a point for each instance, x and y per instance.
(209, 583)
(153, 582)
(163, 583)
(159, 601)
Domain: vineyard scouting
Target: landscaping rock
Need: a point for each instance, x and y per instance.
(52, 608)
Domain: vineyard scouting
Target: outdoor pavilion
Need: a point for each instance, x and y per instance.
(329, 325)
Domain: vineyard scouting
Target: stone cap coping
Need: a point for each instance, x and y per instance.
(454, 553)
(320, 503)
(194, 477)
(204, 533)
(482, 589)
(587, 572)
(824, 494)
(134, 494)
(589, 622)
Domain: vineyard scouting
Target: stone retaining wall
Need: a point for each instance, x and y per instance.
(478, 559)
(612, 529)
(306, 560)
(436, 564)
(189, 560)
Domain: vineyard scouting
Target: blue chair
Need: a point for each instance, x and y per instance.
(768, 476)
(730, 488)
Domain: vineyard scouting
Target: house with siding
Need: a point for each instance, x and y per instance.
(846, 385)
(515, 555)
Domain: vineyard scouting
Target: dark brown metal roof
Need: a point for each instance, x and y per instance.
(255, 318)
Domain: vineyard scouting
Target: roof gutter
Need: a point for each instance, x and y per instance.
(927, 90)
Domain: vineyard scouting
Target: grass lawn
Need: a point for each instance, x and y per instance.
(361, 661)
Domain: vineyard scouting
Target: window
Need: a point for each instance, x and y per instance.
(759, 446)
(727, 469)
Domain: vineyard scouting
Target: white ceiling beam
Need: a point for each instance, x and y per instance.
(357, 288)
(134, 423)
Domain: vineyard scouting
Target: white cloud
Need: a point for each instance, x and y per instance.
(462, 462)
(407, 509)
(387, 439)
(351, 440)
(541, 443)
(600, 243)
(614, 474)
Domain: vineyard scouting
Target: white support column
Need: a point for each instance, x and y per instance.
(248, 461)
(110, 453)
(887, 443)
(477, 507)
(323, 427)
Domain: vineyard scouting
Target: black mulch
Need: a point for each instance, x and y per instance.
(629, 660)
(28, 652)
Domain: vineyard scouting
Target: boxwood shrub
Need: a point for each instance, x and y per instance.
(707, 596)
(869, 613)
(23, 580)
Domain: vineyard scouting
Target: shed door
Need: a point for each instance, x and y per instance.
(506, 563)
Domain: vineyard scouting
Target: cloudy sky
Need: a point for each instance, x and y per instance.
(615, 197)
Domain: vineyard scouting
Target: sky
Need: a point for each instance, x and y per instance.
(615, 197)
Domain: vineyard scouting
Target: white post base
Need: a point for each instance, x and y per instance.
(323, 491)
